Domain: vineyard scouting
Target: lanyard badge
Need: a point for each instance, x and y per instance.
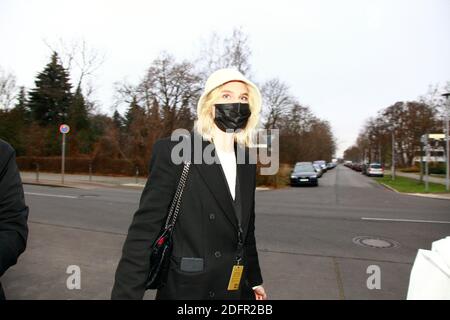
(236, 273)
(235, 278)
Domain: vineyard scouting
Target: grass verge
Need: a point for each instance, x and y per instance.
(408, 185)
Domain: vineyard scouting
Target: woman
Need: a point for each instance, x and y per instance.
(215, 230)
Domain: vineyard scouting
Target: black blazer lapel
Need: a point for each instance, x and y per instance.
(214, 178)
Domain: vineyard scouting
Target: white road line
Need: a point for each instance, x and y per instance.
(50, 195)
(405, 220)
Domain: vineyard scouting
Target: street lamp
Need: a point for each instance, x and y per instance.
(446, 95)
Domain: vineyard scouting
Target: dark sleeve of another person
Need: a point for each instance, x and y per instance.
(13, 211)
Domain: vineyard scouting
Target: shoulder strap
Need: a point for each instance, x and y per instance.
(176, 201)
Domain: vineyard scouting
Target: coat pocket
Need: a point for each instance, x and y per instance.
(189, 278)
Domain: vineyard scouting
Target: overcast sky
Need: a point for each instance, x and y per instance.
(344, 59)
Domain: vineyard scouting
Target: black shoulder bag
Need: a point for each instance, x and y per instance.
(162, 247)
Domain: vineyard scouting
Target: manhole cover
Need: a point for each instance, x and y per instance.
(375, 242)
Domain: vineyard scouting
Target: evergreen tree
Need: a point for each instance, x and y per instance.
(21, 106)
(14, 123)
(136, 132)
(118, 120)
(133, 113)
(80, 138)
(50, 100)
(78, 115)
(154, 115)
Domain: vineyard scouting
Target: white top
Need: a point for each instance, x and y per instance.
(228, 162)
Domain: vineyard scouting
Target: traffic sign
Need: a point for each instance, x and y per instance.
(432, 136)
(64, 128)
(436, 136)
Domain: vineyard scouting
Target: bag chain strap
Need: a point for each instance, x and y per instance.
(175, 207)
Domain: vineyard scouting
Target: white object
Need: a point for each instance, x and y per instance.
(228, 162)
(430, 275)
(225, 75)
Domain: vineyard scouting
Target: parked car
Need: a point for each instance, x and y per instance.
(330, 165)
(322, 163)
(304, 174)
(316, 166)
(302, 163)
(356, 166)
(319, 169)
(364, 167)
(375, 170)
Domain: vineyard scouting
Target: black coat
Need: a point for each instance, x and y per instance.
(13, 211)
(207, 228)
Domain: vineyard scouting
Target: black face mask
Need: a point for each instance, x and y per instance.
(231, 115)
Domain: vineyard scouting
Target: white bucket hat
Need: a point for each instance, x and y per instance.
(221, 76)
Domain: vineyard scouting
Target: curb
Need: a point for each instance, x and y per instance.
(47, 184)
(87, 186)
(262, 189)
(133, 185)
(431, 195)
(389, 187)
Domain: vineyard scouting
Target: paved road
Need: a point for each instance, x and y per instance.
(304, 237)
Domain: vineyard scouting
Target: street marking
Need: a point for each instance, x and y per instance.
(405, 220)
(49, 195)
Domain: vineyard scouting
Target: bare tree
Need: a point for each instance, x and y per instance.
(210, 57)
(297, 120)
(353, 153)
(125, 93)
(237, 51)
(434, 97)
(8, 89)
(277, 101)
(172, 87)
(229, 52)
(408, 121)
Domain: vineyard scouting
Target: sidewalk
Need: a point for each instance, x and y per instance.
(81, 181)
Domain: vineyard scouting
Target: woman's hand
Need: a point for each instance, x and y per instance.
(260, 293)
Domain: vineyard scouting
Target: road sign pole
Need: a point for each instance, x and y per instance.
(446, 111)
(63, 129)
(427, 161)
(446, 149)
(63, 156)
(393, 157)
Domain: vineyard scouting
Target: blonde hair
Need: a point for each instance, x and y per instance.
(205, 122)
